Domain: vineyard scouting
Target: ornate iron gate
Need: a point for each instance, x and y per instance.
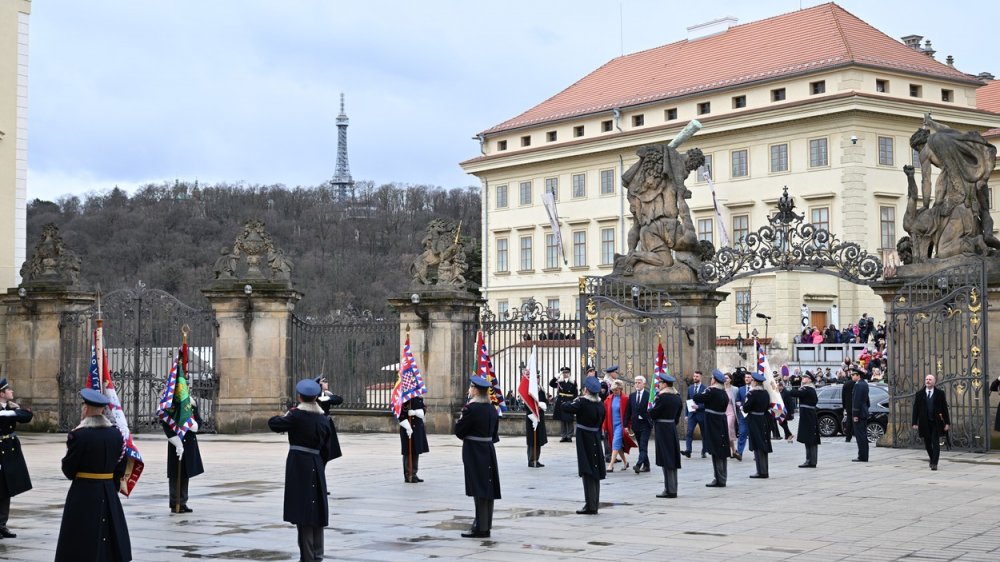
(359, 356)
(938, 326)
(142, 334)
(622, 323)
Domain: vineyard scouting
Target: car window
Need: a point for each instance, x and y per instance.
(877, 394)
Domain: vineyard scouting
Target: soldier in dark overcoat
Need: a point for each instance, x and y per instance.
(185, 455)
(713, 402)
(755, 407)
(412, 437)
(14, 477)
(478, 428)
(565, 392)
(666, 414)
(535, 437)
(93, 523)
(589, 412)
(808, 433)
(326, 399)
(311, 446)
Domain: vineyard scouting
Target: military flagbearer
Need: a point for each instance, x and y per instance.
(666, 413)
(326, 398)
(589, 412)
(14, 478)
(713, 402)
(93, 523)
(413, 438)
(536, 403)
(756, 408)
(478, 428)
(311, 445)
(181, 421)
(565, 392)
(808, 433)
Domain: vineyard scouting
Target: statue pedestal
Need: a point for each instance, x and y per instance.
(251, 353)
(698, 316)
(34, 325)
(439, 345)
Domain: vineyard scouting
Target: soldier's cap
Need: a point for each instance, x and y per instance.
(565, 370)
(809, 375)
(666, 377)
(759, 377)
(718, 375)
(307, 388)
(611, 369)
(94, 398)
(479, 381)
(858, 372)
(522, 365)
(3, 384)
(591, 369)
(592, 385)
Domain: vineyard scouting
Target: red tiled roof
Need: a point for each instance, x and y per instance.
(988, 97)
(808, 40)
(992, 133)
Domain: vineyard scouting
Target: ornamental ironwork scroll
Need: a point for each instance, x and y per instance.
(791, 244)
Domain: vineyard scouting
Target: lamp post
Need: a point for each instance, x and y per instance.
(739, 347)
(766, 319)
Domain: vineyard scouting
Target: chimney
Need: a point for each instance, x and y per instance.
(985, 76)
(912, 41)
(950, 60)
(928, 50)
(710, 28)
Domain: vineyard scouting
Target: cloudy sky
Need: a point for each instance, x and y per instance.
(124, 92)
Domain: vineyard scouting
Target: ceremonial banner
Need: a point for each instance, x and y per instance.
(175, 407)
(528, 389)
(660, 367)
(777, 406)
(484, 368)
(409, 383)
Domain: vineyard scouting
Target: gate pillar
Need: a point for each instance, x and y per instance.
(437, 338)
(698, 316)
(33, 346)
(252, 352)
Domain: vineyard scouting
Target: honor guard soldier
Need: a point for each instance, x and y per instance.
(536, 437)
(808, 433)
(666, 413)
(478, 428)
(566, 392)
(755, 407)
(14, 478)
(183, 460)
(311, 444)
(326, 398)
(93, 523)
(713, 402)
(412, 437)
(589, 412)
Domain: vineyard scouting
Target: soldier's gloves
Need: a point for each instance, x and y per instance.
(178, 445)
(6, 413)
(405, 424)
(194, 427)
(419, 412)
(542, 406)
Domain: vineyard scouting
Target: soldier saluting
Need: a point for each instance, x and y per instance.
(14, 478)
(566, 392)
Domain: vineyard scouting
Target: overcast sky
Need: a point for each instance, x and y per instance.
(125, 92)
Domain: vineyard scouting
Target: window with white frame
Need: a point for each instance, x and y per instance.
(887, 227)
(552, 305)
(502, 255)
(705, 230)
(607, 246)
(502, 196)
(820, 217)
(779, 158)
(525, 193)
(551, 251)
(885, 150)
(526, 253)
(706, 167)
(741, 228)
(740, 168)
(743, 306)
(579, 248)
(579, 185)
(552, 186)
(503, 309)
(607, 182)
(818, 154)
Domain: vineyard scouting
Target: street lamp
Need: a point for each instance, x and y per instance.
(739, 347)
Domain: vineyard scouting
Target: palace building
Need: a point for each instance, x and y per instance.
(816, 100)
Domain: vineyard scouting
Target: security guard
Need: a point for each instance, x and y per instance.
(714, 401)
(589, 412)
(14, 478)
(412, 438)
(666, 413)
(755, 407)
(808, 433)
(478, 428)
(183, 455)
(93, 523)
(565, 392)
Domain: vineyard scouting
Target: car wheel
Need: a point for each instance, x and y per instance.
(827, 425)
(875, 431)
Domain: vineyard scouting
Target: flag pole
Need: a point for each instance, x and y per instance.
(409, 436)
(99, 344)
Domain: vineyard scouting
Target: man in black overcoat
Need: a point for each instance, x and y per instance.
(412, 438)
(846, 401)
(479, 428)
(589, 412)
(756, 409)
(565, 392)
(93, 523)
(859, 414)
(713, 403)
(666, 413)
(310, 447)
(640, 424)
(14, 477)
(187, 456)
(808, 433)
(930, 418)
(995, 387)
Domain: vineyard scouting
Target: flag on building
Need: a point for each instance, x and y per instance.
(410, 383)
(777, 405)
(723, 235)
(659, 367)
(99, 379)
(175, 407)
(528, 389)
(484, 368)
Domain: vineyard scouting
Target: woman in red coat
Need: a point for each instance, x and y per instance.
(616, 420)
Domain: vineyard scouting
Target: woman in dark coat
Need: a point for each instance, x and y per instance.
(755, 407)
(478, 428)
(189, 460)
(589, 412)
(535, 437)
(93, 523)
(808, 424)
(666, 413)
(566, 392)
(14, 478)
(311, 446)
(412, 438)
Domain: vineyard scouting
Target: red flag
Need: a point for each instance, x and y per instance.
(528, 389)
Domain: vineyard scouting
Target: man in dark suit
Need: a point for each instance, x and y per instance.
(638, 403)
(846, 394)
(859, 414)
(741, 420)
(695, 416)
(930, 418)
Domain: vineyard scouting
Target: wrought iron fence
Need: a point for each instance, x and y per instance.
(358, 354)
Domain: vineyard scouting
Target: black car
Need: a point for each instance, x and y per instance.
(830, 412)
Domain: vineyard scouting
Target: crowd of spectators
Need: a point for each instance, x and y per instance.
(864, 331)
